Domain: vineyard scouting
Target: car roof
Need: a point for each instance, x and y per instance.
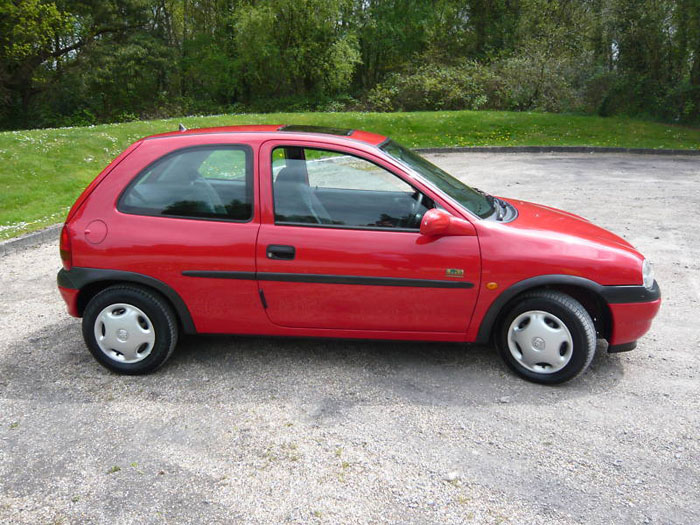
(355, 134)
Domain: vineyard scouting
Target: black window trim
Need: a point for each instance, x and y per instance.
(249, 179)
(339, 226)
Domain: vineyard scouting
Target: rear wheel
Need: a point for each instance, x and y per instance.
(129, 329)
(547, 337)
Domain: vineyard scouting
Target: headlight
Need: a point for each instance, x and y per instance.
(647, 274)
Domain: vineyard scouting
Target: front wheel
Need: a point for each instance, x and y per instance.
(547, 337)
(129, 329)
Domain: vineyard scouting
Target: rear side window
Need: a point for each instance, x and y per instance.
(208, 182)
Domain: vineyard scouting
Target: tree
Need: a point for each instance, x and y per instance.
(292, 47)
(32, 34)
(39, 39)
(82, 61)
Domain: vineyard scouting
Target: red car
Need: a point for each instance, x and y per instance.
(323, 232)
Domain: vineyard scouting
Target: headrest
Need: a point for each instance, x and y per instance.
(291, 175)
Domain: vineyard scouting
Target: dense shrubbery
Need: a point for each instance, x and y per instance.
(515, 83)
(75, 62)
(434, 87)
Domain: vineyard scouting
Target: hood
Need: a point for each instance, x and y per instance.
(546, 241)
(533, 216)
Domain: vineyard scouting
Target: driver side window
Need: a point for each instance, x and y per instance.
(328, 188)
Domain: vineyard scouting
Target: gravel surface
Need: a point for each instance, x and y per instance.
(264, 430)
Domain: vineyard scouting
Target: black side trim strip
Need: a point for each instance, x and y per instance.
(611, 295)
(79, 278)
(243, 276)
(353, 279)
(330, 279)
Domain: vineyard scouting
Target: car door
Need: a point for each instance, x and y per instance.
(339, 246)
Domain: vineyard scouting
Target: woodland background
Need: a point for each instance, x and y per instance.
(73, 63)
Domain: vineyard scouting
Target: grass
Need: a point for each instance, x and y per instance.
(42, 172)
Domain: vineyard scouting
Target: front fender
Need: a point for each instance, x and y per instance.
(609, 294)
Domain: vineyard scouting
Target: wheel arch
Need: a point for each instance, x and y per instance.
(91, 281)
(585, 291)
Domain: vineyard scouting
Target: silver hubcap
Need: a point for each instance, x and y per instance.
(124, 333)
(540, 342)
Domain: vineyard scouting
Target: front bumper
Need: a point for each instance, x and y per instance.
(633, 308)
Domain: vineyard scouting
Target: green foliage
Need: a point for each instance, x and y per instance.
(534, 82)
(391, 33)
(70, 62)
(28, 29)
(294, 47)
(434, 87)
(28, 32)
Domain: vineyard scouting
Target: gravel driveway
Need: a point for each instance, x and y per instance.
(265, 430)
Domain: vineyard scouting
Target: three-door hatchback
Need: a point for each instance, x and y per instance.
(305, 231)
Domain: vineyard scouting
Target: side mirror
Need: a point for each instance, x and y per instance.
(438, 222)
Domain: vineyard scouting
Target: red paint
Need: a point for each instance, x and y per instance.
(366, 136)
(70, 297)
(545, 241)
(438, 222)
(540, 241)
(631, 321)
(65, 248)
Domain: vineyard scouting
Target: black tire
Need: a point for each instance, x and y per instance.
(159, 318)
(575, 318)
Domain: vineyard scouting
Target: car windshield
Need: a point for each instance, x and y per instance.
(472, 199)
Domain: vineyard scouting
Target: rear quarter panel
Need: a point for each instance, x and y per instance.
(163, 247)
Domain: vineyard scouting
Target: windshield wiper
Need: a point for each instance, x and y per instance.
(497, 204)
(501, 212)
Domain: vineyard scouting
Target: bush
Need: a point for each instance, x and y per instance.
(434, 87)
(596, 91)
(520, 83)
(535, 82)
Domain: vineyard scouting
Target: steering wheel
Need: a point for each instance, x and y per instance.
(415, 217)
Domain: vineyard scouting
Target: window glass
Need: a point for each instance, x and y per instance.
(212, 182)
(329, 169)
(226, 164)
(278, 161)
(313, 186)
(472, 199)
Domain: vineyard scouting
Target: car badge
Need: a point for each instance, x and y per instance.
(454, 272)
